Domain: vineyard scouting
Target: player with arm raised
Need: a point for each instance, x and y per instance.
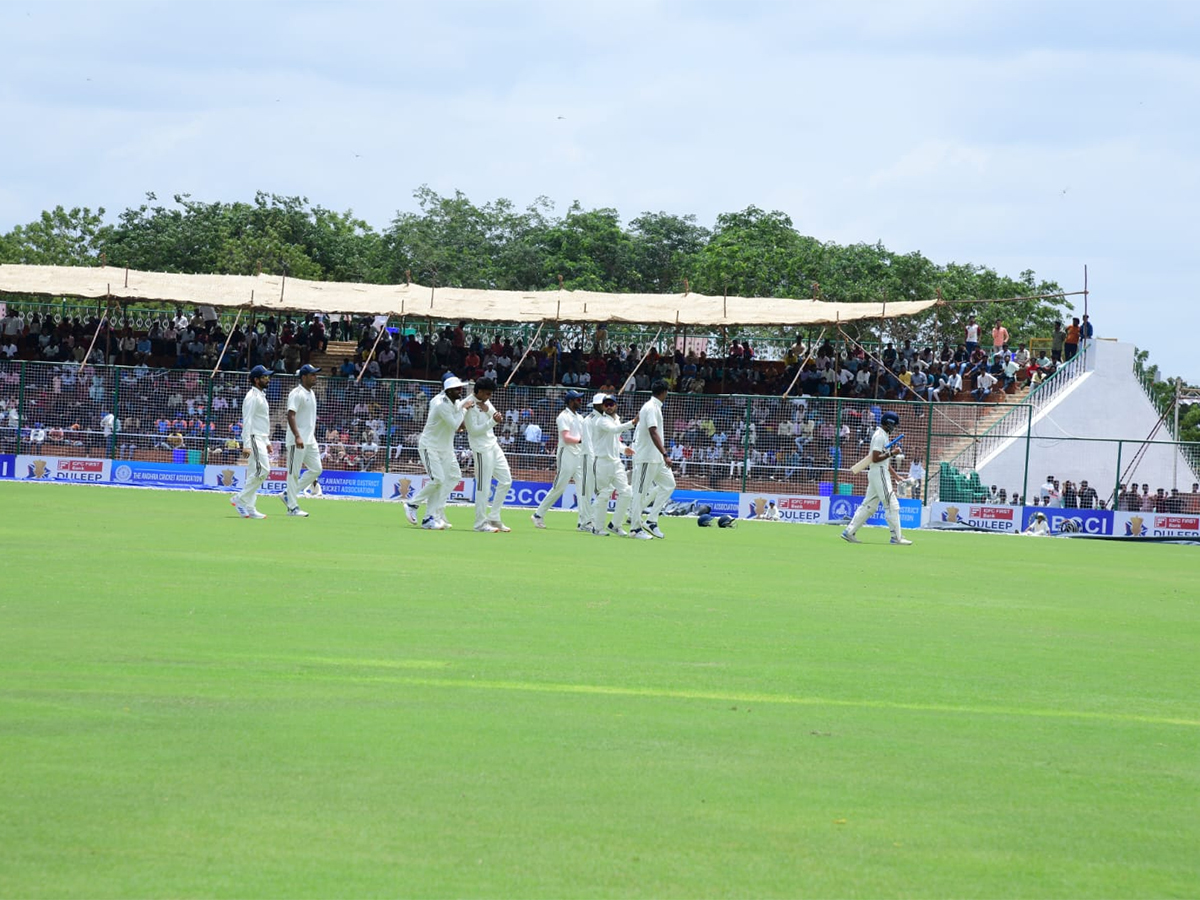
(610, 467)
(436, 449)
(653, 481)
(490, 462)
(879, 484)
(302, 451)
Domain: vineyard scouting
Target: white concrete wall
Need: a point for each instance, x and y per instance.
(1105, 402)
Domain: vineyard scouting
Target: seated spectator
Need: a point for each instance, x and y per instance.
(983, 386)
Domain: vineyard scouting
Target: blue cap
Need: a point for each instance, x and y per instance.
(260, 371)
(307, 369)
(572, 395)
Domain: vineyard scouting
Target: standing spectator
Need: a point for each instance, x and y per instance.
(1057, 339)
(569, 425)
(972, 330)
(999, 337)
(256, 431)
(653, 481)
(490, 462)
(1147, 499)
(302, 451)
(436, 449)
(1071, 341)
(1087, 496)
(1086, 332)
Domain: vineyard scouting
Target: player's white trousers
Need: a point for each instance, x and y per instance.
(610, 476)
(442, 468)
(568, 471)
(258, 470)
(586, 488)
(309, 458)
(879, 491)
(653, 483)
(490, 463)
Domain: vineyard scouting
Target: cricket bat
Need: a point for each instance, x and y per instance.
(866, 460)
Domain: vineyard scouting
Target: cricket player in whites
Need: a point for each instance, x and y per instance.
(256, 431)
(302, 450)
(569, 456)
(653, 481)
(610, 467)
(879, 484)
(480, 417)
(436, 449)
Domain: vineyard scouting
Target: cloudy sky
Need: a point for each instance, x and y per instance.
(1044, 136)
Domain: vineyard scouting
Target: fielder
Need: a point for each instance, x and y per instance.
(609, 467)
(653, 481)
(490, 462)
(569, 456)
(302, 450)
(256, 431)
(586, 486)
(436, 449)
(879, 484)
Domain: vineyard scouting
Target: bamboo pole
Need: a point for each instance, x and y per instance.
(87, 356)
(645, 353)
(378, 337)
(803, 363)
(228, 338)
(523, 355)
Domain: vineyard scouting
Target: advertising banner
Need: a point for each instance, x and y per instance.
(532, 493)
(8, 465)
(842, 507)
(792, 507)
(160, 475)
(1152, 524)
(61, 468)
(1079, 521)
(1005, 519)
(364, 485)
(722, 503)
(399, 486)
(233, 478)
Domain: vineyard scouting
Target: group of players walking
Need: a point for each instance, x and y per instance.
(590, 454)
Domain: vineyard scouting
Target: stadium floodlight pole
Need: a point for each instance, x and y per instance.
(803, 363)
(512, 374)
(645, 353)
(371, 356)
(228, 338)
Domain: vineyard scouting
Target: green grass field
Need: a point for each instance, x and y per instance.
(196, 705)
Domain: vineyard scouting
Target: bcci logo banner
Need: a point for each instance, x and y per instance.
(1156, 525)
(225, 478)
(986, 518)
(404, 487)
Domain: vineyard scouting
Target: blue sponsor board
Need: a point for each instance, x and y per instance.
(1083, 521)
(531, 493)
(366, 485)
(843, 506)
(160, 475)
(722, 503)
(8, 465)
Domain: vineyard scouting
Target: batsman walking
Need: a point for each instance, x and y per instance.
(879, 484)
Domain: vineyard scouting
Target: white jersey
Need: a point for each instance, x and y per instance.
(879, 441)
(606, 437)
(256, 416)
(588, 424)
(480, 423)
(643, 445)
(303, 403)
(572, 424)
(444, 419)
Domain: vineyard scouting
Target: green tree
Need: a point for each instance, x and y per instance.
(663, 252)
(60, 237)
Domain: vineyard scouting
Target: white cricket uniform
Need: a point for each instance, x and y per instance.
(490, 463)
(256, 432)
(610, 471)
(436, 449)
(569, 458)
(587, 468)
(879, 490)
(303, 403)
(653, 481)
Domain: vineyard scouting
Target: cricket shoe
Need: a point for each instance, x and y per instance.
(617, 530)
(849, 538)
(313, 490)
(241, 510)
(537, 520)
(638, 535)
(903, 542)
(297, 511)
(501, 527)
(445, 525)
(432, 524)
(652, 527)
(487, 527)
(410, 512)
(254, 514)
(582, 527)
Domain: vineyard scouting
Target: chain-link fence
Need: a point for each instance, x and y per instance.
(801, 445)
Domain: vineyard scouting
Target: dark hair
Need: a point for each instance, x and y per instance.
(485, 384)
(659, 386)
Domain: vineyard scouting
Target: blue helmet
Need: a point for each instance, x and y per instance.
(889, 418)
(260, 372)
(705, 520)
(727, 522)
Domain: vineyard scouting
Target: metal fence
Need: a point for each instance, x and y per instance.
(801, 445)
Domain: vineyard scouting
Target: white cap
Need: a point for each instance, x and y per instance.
(599, 398)
(452, 382)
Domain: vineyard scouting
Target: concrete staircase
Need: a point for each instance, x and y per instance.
(336, 353)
